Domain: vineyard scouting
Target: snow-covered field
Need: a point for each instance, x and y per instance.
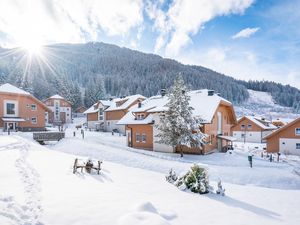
(263, 105)
(38, 187)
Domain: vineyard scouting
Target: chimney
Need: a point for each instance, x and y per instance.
(139, 104)
(163, 92)
(110, 99)
(210, 92)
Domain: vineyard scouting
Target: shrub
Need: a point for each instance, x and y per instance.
(171, 177)
(196, 180)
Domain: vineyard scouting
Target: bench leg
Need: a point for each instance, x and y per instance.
(75, 166)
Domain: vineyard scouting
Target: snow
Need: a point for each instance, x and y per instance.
(92, 109)
(129, 118)
(38, 186)
(56, 97)
(129, 100)
(267, 126)
(204, 106)
(263, 105)
(8, 88)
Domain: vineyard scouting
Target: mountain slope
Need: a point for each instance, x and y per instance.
(262, 104)
(107, 70)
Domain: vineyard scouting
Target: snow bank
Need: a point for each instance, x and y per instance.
(145, 214)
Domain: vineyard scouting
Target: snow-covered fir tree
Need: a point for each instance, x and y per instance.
(177, 125)
(94, 92)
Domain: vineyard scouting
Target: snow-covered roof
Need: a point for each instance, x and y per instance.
(282, 128)
(106, 102)
(92, 109)
(56, 97)
(263, 123)
(8, 88)
(204, 106)
(129, 118)
(128, 101)
(95, 108)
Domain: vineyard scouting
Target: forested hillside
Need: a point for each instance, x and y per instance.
(84, 73)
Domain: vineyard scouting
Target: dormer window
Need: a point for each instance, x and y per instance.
(140, 116)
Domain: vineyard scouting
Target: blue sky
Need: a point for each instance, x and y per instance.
(246, 39)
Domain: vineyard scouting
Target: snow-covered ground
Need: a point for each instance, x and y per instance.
(38, 187)
(262, 104)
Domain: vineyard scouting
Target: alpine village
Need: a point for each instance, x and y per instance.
(144, 130)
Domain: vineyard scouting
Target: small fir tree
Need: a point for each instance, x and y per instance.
(196, 180)
(177, 125)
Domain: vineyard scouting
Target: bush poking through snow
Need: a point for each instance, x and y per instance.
(220, 190)
(195, 180)
(172, 176)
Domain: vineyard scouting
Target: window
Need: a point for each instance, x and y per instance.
(143, 137)
(10, 109)
(242, 135)
(140, 116)
(297, 131)
(249, 126)
(33, 120)
(101, 114)
(243, 126)
(297, 145)
(33, 107)
(137, 137)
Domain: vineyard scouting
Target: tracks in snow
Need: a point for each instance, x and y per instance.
(30, 212)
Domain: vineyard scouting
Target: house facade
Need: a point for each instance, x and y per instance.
(105, 114)
(285, 140)
(20, 110)
(118, 110)
(61, 110)
(216, 113)
(95, 115)
(252, 129)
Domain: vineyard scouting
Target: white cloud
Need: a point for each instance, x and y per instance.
(51, 21)
(245, 33)
(185, 18)
(244, 65)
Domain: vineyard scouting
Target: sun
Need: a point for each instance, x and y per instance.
(33, 47)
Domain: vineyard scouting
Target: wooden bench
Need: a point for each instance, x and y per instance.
(88, 166)
(41, 137)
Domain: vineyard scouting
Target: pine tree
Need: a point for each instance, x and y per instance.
(177, 126)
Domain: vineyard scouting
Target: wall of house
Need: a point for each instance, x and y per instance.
(115, 115)
(132, 130)
(212, 128)
(246, 122)
(288, 146)
(92, 116)
(250, 136)
(24, 110)
(64, 107)
(273, 143)
(110, 125)
(92, 119)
